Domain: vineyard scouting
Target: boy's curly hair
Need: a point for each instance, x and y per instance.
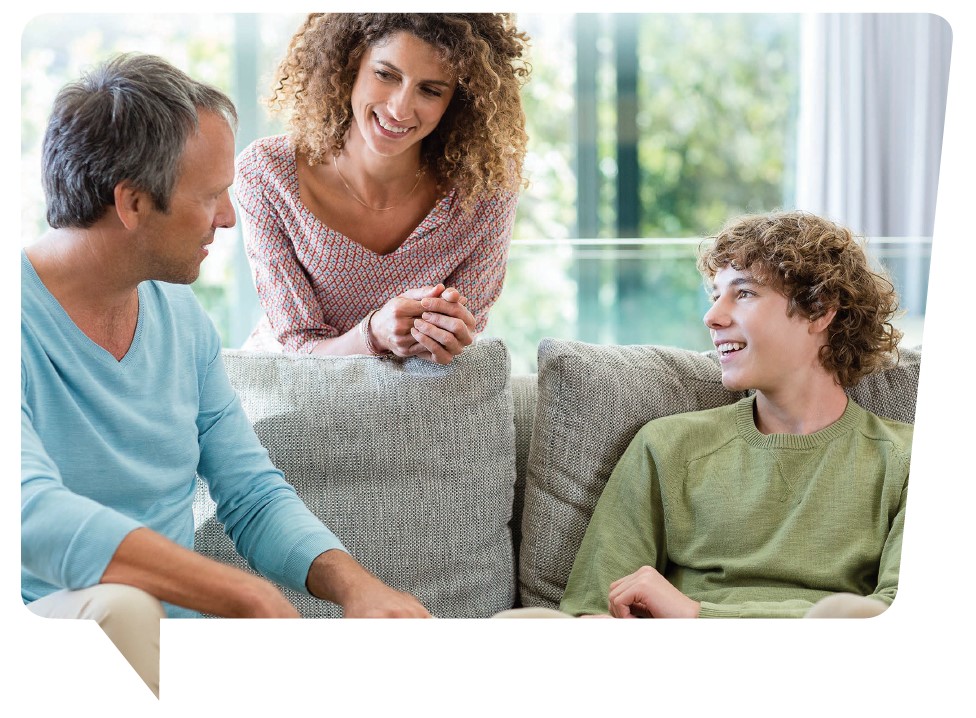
(478, 146)
(818, 266)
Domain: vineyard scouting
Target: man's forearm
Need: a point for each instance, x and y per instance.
(336, 576)
(172, 573)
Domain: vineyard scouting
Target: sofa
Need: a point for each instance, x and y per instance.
(464, 485)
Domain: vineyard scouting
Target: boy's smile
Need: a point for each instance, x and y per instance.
(760, 347)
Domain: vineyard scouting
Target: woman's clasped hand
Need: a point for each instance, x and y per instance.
(429, 322)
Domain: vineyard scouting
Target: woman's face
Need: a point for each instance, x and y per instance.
(400, 93)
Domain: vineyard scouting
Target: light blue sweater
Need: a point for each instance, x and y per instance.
(108, 446)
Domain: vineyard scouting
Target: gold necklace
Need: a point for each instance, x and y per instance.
(420, 174)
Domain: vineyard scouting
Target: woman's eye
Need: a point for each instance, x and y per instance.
(431, 91)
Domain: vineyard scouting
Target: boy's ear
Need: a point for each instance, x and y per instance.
(821, 323)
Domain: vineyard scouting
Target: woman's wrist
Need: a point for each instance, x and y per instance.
(371, 345)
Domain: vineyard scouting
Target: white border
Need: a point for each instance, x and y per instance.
(912, 660)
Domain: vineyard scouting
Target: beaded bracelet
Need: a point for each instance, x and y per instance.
(367, 340)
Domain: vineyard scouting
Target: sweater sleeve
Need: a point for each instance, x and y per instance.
(625, 533)
(481, 274)
(281, 282)
(264, 517)
(66, 539)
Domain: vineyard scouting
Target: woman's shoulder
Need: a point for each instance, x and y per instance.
(265, 155)
(493, 204)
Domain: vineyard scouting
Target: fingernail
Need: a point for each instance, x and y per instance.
(426, 315)
(425, 302)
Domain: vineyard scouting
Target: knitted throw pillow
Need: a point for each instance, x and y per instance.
(411, 464)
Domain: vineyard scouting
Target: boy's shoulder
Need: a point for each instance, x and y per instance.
(878, 428)
(709, 426)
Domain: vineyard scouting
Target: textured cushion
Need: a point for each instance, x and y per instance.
(591, 402)
(411, 464)
(523, 400)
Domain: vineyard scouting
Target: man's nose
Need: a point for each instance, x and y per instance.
(225, 217)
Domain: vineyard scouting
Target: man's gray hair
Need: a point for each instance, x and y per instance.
(127, 119)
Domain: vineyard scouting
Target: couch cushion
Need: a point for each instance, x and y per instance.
(411, 464)
(591, 402)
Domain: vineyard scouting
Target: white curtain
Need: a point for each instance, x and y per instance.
(872, 110)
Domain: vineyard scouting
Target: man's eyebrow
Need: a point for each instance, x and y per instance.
(399, 71)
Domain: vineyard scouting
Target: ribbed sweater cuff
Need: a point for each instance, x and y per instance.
(717, 610)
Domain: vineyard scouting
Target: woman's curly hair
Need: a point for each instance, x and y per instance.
(818, 266)
(479, 144)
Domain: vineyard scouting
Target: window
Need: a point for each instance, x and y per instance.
(646, 133)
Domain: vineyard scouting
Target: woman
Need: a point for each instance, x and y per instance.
(381, 223)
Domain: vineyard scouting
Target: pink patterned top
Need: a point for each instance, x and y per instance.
(315, 283)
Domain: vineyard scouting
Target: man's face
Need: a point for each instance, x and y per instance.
(176, 241)
(760, 347)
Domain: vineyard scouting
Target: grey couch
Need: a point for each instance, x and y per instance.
(464, 485)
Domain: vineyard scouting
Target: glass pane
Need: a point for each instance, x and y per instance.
(551, 302)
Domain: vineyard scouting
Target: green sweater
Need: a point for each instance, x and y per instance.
(750, 524)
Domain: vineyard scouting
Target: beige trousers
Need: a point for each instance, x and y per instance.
(128, 615)
(838, 605)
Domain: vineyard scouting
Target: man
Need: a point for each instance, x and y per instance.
(124, 395)
(790, 502)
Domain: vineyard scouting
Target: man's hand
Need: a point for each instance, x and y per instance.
(647, 594)
(336, 576)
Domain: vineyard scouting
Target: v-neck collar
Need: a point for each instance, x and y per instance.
(83, 341)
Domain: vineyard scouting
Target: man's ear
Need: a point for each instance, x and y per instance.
(131, 204)
(820, 324)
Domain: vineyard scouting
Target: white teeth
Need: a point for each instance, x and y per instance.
(730, 346)
(389, 128)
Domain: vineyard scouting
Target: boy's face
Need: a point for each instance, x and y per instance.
(760, 347)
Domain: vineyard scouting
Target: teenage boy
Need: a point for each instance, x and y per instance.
(790, 502)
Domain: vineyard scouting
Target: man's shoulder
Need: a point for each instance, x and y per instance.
(176, 306)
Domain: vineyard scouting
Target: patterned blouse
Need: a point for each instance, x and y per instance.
(315, 283)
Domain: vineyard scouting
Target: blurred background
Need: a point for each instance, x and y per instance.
(647, 132)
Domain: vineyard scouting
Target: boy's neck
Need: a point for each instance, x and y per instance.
(802, 409)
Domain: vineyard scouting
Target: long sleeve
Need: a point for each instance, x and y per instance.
(625, 533)
(67, 540)
(267, 521)
(112, 445)
(281, 282)
(482, 273)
